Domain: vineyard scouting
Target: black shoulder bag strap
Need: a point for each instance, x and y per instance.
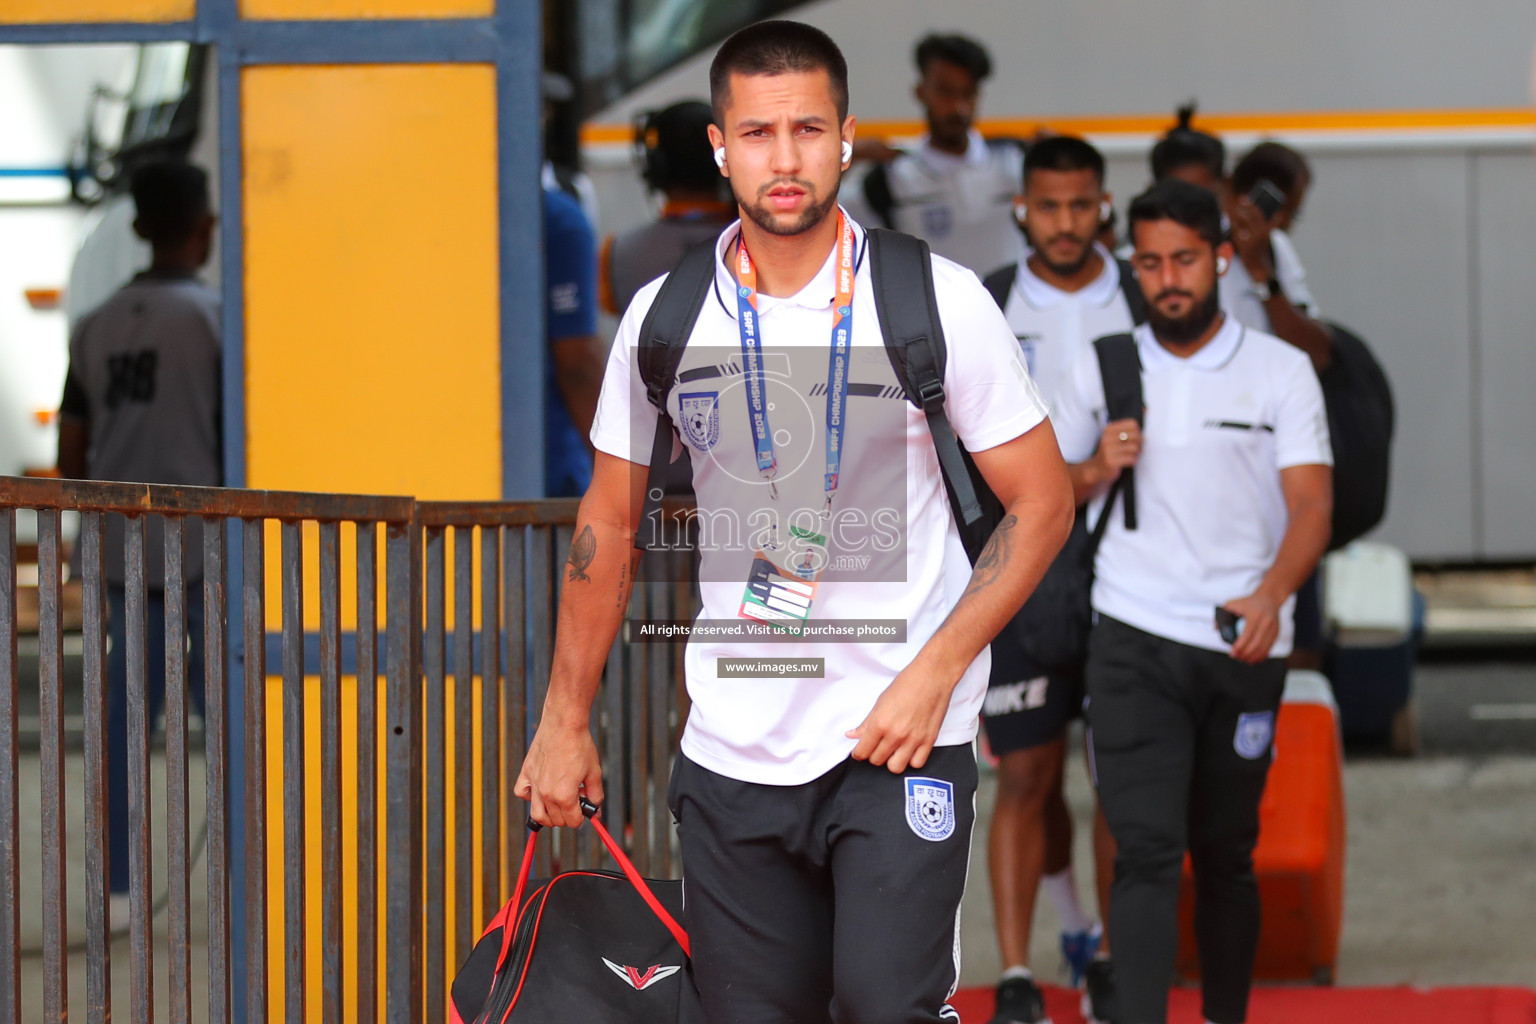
(1130, 287)
(663, 338)
(914, 341)
(1120, 368)
(878, 196)
(1000, 282)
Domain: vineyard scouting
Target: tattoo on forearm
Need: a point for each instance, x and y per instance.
(583, 550)
(623, 585)
(989, 564)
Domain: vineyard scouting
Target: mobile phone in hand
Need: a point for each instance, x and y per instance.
(1229, 624)
(1267, 197)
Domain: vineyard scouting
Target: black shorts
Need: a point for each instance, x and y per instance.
(835, 899)
(1025, 707)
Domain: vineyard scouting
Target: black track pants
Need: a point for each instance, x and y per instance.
(1181, 746)
(836, 900)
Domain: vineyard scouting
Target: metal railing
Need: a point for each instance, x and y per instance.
(430, 833)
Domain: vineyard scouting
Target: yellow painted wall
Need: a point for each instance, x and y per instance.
(367, 8)
(30, 12)
(372, 305)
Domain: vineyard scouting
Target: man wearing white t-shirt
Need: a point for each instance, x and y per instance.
(1066, 291)
(1193, 607)
(955, 190)
(824, 821)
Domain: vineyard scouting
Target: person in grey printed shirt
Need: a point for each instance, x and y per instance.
(142, 403)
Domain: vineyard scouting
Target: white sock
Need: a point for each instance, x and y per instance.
(1017, 971)
(1062, 890)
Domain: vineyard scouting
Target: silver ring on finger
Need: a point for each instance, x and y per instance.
(1124, 436)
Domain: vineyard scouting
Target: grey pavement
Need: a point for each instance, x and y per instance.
(1441, 872)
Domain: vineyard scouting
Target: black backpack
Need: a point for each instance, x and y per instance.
(1051, 630)
(1358, 398)
(1000, 282)
(914, 342)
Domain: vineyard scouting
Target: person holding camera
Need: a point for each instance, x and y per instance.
(1192, 599)
(1267, 287)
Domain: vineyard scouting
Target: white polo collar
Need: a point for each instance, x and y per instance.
(1039, 295)
(818, 294)
(1213, 355)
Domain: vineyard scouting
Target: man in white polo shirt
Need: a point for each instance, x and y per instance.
(955, 189)
(1193, 607)
(1066, 291)
(824, 821)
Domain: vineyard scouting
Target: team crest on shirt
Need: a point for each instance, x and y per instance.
(931, 808)
(700, 413)
(937, 221)
(1254, 732)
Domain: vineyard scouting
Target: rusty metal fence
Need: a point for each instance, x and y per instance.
(396, 827)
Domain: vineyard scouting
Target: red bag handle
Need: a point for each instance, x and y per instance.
(617, 853)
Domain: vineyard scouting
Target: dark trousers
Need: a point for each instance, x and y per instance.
(836, 900)
(117, 701)
(1182, 741)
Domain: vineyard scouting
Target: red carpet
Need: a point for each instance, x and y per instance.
(1314, 1006)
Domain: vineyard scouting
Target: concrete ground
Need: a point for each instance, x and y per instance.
(1440, 880)
(1441, 874)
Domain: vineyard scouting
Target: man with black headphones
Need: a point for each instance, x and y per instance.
(672, 148)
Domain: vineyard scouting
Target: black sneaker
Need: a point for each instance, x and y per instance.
(1019, 1002)
(1100, 1005)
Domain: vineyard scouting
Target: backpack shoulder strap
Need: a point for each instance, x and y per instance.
(1120, 369)
(914, 342)
(1131, 289)
(878, 195)
(1000, 282)
(664, 335)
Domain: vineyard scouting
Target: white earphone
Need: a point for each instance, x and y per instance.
(1106, 211)
(1020, 210)
(1221, 264)
(720, 157)
(847, 152)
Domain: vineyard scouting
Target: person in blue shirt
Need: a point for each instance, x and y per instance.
(575, 366)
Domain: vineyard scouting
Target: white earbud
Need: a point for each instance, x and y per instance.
(1106, 211)
(1221, 264)
(720, 157)
(847, 152)
(1020, 210)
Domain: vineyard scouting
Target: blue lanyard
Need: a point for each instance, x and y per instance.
(837, 360)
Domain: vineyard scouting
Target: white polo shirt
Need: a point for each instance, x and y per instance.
(1244, 299)
(962, 206)
(1220, 426)
(1053, 326)
(787, 731)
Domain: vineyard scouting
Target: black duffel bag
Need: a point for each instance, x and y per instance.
(600, 947)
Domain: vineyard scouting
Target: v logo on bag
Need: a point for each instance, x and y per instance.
(641, 980)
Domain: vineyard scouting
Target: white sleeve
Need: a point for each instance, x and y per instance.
(625, 424)
(1301, 420)
(1078, 416)
(990, 397)
(1292, 275)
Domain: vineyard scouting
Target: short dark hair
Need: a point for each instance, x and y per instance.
(1063, 153)
(1179, 201)
(958, 50)
(170, 197)
(1273, 160)
(776, 48)
(674, 144)
(1183, 146)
